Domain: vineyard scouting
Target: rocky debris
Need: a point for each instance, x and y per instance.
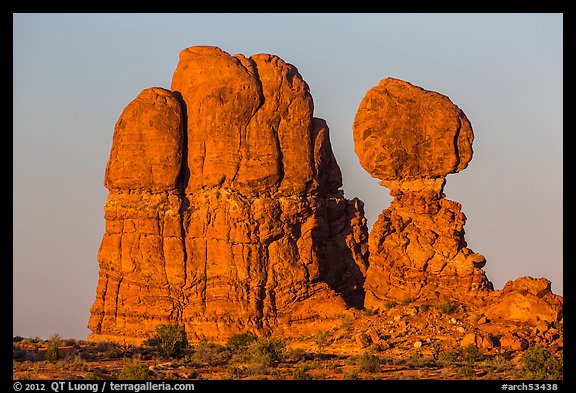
(411, 138)
(485, 342)
(225, 212)
(513, 341)
(526, 299)
(364, 340)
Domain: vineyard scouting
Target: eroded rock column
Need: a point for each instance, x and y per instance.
(142, 255)
(225, 212)
(410, 139)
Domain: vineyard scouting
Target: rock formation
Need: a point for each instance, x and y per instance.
(526, 299)
(224, 212)
(411, 138)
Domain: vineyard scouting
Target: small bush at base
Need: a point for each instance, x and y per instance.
(447, 308)
(539, 363)
(301, 373)
(472, 354)
(269, 351)
(450, 356)
(169, 339)
(240, 341)
(134, 371)
(53, 352)
(369, 363)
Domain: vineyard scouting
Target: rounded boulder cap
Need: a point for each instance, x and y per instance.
(404, 132)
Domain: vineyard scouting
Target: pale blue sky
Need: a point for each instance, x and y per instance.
(75, 73)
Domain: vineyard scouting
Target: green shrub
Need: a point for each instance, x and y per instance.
(269, 351)
(450, 356)
(466, 372)
(539, 363)
(211, 353)
(322, 340)
(169, 339)
(240, 341)
(447, 308)
(53, 352)
(296, 355)
(132, 370)
(472, 354)
(301, 374)
(351, 375)
(369, 363)
(235, 372)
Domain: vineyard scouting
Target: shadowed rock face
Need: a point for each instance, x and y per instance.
(224, 212)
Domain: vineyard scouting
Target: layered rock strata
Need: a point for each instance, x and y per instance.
(225, 212)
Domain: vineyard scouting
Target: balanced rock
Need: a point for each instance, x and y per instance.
(225, 212)
(404, 132)
(410, 139)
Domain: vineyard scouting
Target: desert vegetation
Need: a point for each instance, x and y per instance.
(169, 355)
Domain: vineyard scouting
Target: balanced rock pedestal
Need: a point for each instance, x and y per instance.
(410, 139)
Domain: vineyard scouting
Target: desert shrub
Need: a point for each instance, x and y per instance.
(17, 339)
(269, 351)
(322, 340)
(240, 341)
(71, 363)
(450, 356)
(53, 352)
(170, 339)
(406, 301)
(499, 363)
(351, 375)
(369, 312)
(132, 370)
(418, 360)
(301, 374)
(447, 308)
(69, 342)
(466, 372)
(235, 372)
(539, 363)
(297, 355)
(472, 354)
(211, 353)
(369, 363)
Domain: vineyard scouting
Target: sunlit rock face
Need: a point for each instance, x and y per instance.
(411, 138)
(225, 212)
